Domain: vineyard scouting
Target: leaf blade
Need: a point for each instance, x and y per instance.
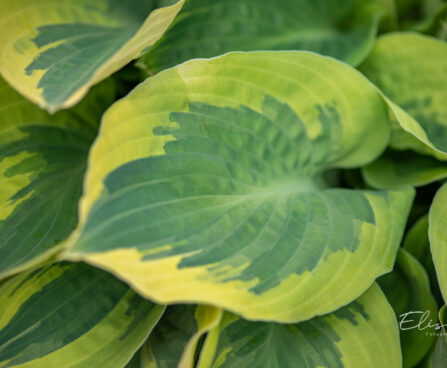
(206, 194)
(53, 53)
(205, 30)
(414, 86)
(42, 162)
(437, 236)
(349, 337)
(63, 315)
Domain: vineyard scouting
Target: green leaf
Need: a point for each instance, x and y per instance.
(438, 356)
(174, 341)
(408, 290)
(216, 195)
(415, 13)
(416, 242)
(361, 334)
(436, 25)
(42, 163)
(396, 169)
(71, 315)
(411, 70)
(389, 21)
(343, 29)
(437, 232)
(53, 52)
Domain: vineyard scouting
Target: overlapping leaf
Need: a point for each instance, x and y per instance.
(71, 315)
(438, 236)
(396, 169)
(408, 290)
(435, 25)
(438, 357)
(217, 192)
(53, 52)
(343, 29)
(174, 341)
(361, 334)
(411, 70)
(417, 243)
(42, 163)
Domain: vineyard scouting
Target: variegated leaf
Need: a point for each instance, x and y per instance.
(217, 192)
(408, 291)
(175, 339)
(42, 164)
(411, 70)
(396, 169)
(343, 29)
(361, 334)
(71, 316)
(54, 51)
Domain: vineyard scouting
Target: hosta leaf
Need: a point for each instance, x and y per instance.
(436, 25)
(414, 10)
(408, 290)
(416, 242)
(174, 341)
(53, 52)
(361, 334)
(417, 14)
(411, 70)
(342, 29)
(438, 236)
(71, 315)
(42, 162)
(403, 168)
(389, 20)
(216, 194)
(438, 356)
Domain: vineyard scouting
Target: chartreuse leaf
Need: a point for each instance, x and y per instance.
(42, 162)
(411, 70)
(408, 291)
(206, 185)
(437, 232)
(416, 241)
(173, 343)
(54, 51)
(71, 315)
(402, 168)
(361, 334)
(421, 8)
(345, 30)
